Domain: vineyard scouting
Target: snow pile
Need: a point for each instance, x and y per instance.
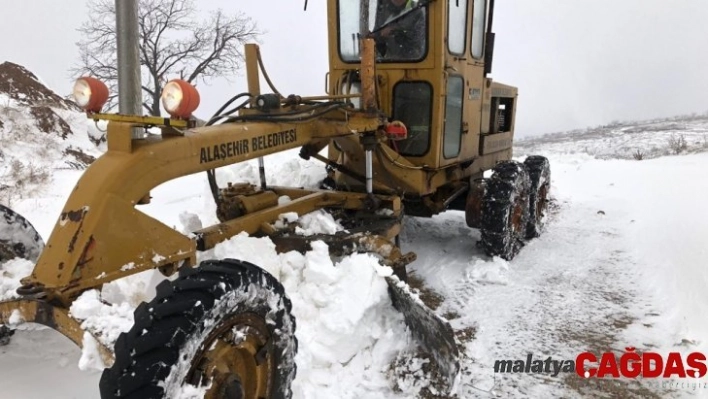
(348, 331)
(90, 356)
(10, 275)
(285, 219)
(283, 169)
(105, 321)
(318, 222)
(133, 289)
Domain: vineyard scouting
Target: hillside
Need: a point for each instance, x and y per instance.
(40, 133)
(626, 140)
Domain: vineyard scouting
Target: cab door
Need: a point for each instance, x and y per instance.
(464, 81)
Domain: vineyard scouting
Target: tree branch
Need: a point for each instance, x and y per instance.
(173, 42)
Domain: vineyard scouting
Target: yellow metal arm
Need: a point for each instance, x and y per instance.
(100, 236)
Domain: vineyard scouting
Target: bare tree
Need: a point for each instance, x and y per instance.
(174, 42)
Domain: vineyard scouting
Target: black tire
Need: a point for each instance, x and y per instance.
(540, 175)
(191, 318)
(18, 238)
(505, 210)
(5, 334)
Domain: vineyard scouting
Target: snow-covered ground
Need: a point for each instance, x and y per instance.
(626, 140)
(622, 263)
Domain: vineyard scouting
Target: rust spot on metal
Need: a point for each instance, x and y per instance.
(74, 216)
(75, 237)
(88, 250)
(517, 215)
(73, 240)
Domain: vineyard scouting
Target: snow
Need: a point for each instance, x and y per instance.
(105, 320)
(318, 222)
(346, 324)
(631, 275)
(90, 356)
(488, 272)
(30, 158)
(624, 140)
(11, 273)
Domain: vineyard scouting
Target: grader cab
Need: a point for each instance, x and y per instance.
(411, 121)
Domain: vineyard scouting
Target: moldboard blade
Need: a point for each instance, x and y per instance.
(432, 331)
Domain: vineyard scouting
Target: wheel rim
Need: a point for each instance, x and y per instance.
(236, 359)
(517, 216)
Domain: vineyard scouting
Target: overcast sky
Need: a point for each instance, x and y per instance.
(577, 63)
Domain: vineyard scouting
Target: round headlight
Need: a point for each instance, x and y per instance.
(180, 98)
(171, 96)
(82, 93)
(90, 94)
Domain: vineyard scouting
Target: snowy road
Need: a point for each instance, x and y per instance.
(621, 264)
(591, 282)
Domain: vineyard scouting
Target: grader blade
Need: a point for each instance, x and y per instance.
(433, 333)
(18, 238)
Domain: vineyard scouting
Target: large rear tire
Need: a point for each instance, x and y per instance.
(18, 238)
(540, 175)
(505, 210)
(226, 323)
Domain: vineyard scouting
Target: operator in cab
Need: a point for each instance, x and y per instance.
(400, 30)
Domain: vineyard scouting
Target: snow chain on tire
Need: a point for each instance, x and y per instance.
(505, 210)
(540, 174)
(156, 356)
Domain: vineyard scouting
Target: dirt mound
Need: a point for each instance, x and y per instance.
(24, 87)
(49, 122)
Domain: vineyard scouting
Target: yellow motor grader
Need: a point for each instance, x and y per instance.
(411, 121)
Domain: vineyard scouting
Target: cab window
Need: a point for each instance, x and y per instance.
(456, 26)
(453, 117)
(479, 14)
(399, 28)
(412, 103)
